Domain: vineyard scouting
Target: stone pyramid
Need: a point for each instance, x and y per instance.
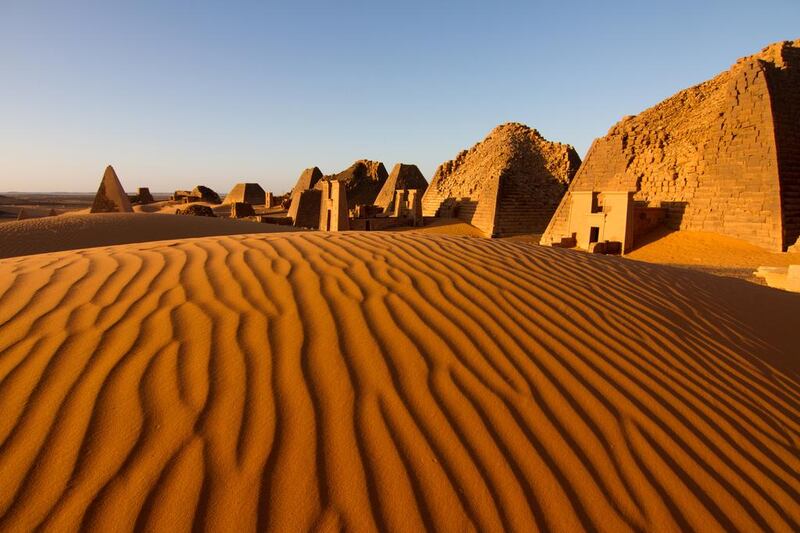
(111, 197)
(402, 177)
(250, 193)
(363, 181)
(307, 180)
(509, 183)
(720, 156)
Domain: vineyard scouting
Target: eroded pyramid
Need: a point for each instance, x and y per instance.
(719, 157)
(250, 193)
(363, 181)
(509, 183)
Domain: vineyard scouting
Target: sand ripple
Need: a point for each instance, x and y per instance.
(392, 381)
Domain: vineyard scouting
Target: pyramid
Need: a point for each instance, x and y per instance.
(307, 180)
(509, 183)
(143, 196)
(363, 181)
(249, 193)
(206, 194)
(718, 157)
(402, 177)
(111, 197)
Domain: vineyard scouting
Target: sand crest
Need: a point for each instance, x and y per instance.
(392, 381)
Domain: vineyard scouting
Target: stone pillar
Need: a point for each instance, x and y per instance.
(414, 205)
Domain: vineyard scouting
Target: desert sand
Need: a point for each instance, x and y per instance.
(74, 231)
(396, 381)
(699, 248)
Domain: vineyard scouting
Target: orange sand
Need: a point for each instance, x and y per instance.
(707, 249)
(445, 226)
(392, 381)
(74, 231)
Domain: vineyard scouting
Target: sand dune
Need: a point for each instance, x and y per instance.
(74, 231)
(391, 381)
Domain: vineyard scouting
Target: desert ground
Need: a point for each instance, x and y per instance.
(391, 380)
(41, 204)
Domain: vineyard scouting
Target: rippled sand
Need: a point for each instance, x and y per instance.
(391, 381)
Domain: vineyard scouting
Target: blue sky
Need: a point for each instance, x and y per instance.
(179, 93)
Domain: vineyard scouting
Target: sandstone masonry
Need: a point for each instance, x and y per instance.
(723, 156)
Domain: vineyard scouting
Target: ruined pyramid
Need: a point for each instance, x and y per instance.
(307, 180)
(402, 177)
(111, 197)
(509, 183)
(251, 193)
(720, 156)
(363, 181)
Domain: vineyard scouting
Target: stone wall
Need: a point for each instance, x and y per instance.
(707, 155)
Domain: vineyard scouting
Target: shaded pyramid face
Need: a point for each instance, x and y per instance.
(111, 197)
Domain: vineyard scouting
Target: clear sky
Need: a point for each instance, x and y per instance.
(178, 93)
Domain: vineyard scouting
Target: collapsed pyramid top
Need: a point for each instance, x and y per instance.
(363, 181)
(111, 197)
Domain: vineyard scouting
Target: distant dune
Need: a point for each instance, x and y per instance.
(74, 231)
(393, 381)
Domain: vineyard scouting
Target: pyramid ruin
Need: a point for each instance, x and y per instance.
(721, 157)
(206, 194)
(143, 196)
(509, 183)
(307, 180)
(402, 177)
(111, 197)
(250, 193)
(363, 181)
